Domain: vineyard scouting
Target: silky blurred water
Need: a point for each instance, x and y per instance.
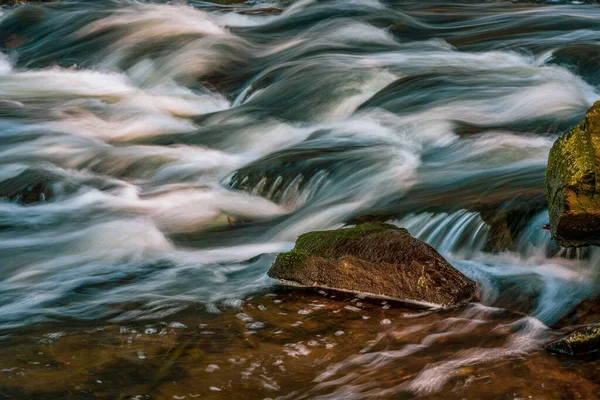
(155, 157)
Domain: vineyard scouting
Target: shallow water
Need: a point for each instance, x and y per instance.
(300, 345)
(156, 157)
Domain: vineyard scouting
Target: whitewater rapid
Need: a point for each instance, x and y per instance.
(183, 146)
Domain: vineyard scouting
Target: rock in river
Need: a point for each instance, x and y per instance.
(378, 260)
(573, 184)
(583, 342)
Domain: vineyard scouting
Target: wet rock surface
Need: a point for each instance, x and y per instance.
(506, 225)
(572, 184)
(375, 259)
(28, 187)
(582, 59)
(583, 342)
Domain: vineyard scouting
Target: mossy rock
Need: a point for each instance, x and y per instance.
(572, 187)
(583, 342)
(377, 260)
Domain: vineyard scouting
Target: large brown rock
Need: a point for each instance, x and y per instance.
(377, 260)
(572, 184)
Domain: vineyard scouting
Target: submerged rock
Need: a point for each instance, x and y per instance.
(507, 224)
(583, 342)
(379, 260)
(583, 59)
(572, 186)
(585, 313)
(29, 187)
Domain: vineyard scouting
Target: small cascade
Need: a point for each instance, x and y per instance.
(290, 191)
(461, 232)
(535, 241)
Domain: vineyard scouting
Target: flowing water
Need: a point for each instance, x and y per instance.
(155, 157)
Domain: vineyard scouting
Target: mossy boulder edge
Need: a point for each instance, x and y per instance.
(377, 260)
(583, 342)
(573, 184)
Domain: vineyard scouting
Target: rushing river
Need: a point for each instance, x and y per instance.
(154, 158)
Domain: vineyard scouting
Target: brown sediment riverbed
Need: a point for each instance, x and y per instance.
(293, 345)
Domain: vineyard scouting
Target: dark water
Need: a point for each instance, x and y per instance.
(154, 158)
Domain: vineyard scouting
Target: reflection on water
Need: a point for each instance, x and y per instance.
(155, 156)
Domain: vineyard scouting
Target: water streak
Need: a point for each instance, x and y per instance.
(155, 156)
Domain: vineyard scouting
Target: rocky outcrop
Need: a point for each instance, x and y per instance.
(583, 342)
(572, 184)
(378, 260)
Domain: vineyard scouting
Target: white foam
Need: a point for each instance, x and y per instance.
(5, 66)
(156, 21)
(191, 210)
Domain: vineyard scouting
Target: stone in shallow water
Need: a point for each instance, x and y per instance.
(380, 260)
(573, 183)
(583, 341)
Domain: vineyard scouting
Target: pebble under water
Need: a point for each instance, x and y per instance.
(156, 156)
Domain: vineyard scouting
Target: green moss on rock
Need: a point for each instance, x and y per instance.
(289, 259)
(375, 259)
(572, 183)
(583, 341)
(317, 242)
